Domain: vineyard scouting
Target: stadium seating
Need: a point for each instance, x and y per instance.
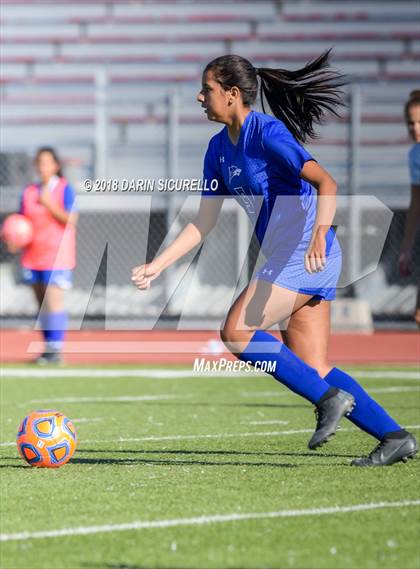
(50, 57)
(51, 50)
(54, 52)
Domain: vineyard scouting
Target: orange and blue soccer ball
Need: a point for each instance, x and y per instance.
(46, 439)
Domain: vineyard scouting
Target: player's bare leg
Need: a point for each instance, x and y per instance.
(259, 307)
(308, 334)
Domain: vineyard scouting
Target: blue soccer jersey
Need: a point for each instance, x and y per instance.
(262, 171)
(264, 164)
(414, 163)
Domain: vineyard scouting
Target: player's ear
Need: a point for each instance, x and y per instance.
(234, 94)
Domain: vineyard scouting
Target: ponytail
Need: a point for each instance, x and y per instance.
(300, 98)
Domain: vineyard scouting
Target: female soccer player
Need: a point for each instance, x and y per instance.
(257, 158)
(412, 117)
(48, 261)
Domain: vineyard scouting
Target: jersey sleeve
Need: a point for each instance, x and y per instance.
(212, 174)
(414, 164)
(282, 147)
(69, 199)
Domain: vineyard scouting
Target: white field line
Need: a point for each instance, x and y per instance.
(211, 436)
(153, 438)
(188, 437)
(369, 374)
(116, 373)
(171, 374)
(275, 422)
(224, 435)
(402, 389)
(264, 393)
(117, 399)
(390, 389)
(204, 520)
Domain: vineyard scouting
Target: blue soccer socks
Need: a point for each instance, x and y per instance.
(367, 414)
(304, 380)
(54, 327)
(288, 368)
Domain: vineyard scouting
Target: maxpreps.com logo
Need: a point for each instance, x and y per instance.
(233, 171)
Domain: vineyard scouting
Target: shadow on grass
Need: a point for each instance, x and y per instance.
(130, 566)
(219, 452)
(174, 462)
(187, 461)
(117, 566)
(225, 404)
(125, 461)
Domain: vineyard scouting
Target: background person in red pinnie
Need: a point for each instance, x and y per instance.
(48, 261)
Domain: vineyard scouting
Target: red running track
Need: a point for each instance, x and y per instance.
(181, 347)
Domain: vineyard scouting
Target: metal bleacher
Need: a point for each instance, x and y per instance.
(51, 50)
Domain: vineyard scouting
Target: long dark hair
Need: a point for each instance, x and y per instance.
(413, 99)
(299, 98)
(54, 155)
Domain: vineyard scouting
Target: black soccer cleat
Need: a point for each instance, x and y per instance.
(51, 356)
(389, 451)
(329, 413)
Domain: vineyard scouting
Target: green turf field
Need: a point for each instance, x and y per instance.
(167, 466)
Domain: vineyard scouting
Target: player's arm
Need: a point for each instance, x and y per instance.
(191, 236)
(312, 172)
(411, 227)
(296, 162)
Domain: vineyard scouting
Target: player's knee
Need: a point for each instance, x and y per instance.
(229, 334)
(226, 334)
(235, 340)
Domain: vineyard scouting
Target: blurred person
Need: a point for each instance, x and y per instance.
(48, 261)
(260, 156)
(412, 117)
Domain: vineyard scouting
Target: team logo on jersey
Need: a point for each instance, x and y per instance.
(233, 171)
(221, 159)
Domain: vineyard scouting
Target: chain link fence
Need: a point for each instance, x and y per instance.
(116, 233)
(141, 122)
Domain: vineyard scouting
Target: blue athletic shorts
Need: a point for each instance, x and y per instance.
(286, 268)
(62, 278)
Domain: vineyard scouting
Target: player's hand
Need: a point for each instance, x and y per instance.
(45, 197)
(315, 256)
(143, 275)
(404, 261)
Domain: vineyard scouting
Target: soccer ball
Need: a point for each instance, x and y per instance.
(46, 439)
(17, 230)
